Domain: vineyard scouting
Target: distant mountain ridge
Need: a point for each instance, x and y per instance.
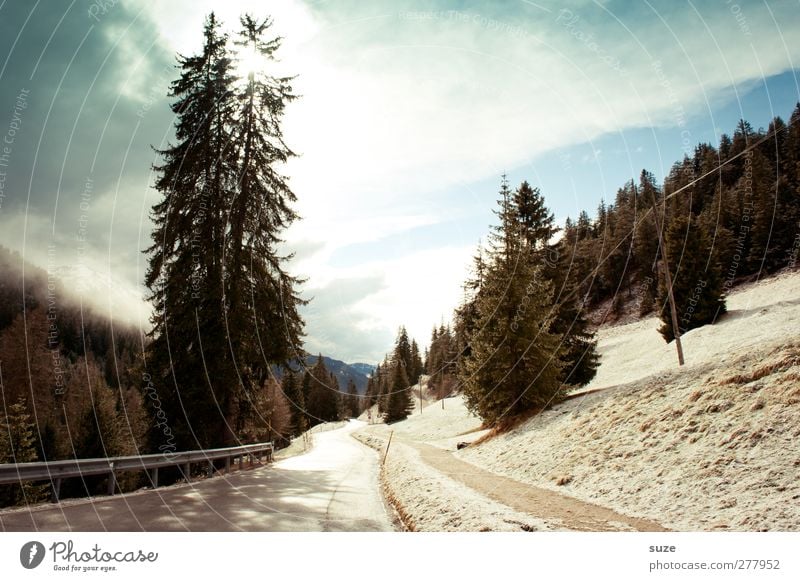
(365, 368)
(358, 372)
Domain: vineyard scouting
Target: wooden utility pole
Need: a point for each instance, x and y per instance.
(675, 329)
(419, 380)
(386, 453)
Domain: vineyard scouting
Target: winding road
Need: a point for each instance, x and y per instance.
(334, 487)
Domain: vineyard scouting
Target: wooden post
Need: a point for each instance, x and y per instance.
(386, 453)
(56, 490)
(154, 476)
(112, 481)
(673, 310)
(210, 468)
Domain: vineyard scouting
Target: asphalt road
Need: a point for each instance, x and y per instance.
(334, 487)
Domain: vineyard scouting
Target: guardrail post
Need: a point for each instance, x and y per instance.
(112, 480)
(251, 459)
(154, 476)
(56, 490)
(187, 471)
(227, 465)
(210, 468)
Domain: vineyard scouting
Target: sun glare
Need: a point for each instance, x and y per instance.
(249, 61)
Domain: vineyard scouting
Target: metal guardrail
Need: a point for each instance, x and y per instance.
(55, 471)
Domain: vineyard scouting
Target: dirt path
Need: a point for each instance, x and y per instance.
(541, 503)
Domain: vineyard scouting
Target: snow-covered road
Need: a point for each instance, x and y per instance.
(334, 487)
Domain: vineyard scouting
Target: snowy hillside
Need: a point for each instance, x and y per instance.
(711, 446)
(759, 314)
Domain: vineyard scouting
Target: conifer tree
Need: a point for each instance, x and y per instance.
(399, 402)
(373, 388)
(17, 446)
(403, 354)
(323, 398)
(416, 361)
(353, 406)
(225, 310)
(537, 227)
(514, 364)
(536, 221)
(696, 281)
(293, 391)
(433, 361)
(465, 318)
(261, 302)
(760, 210)
(185, 274)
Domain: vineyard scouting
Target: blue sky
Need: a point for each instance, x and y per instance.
(410, 112)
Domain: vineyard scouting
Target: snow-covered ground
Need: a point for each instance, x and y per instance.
(714, 445)
(443, 428)
(430, 501)
(304, 443)
(759, 314)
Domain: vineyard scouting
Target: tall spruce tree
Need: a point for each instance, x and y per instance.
(537, 227)
(261, 302)
(417, 367)
(224, 309)
(514, 363)
(403, 354)
(293, 390)
(322, 402)
(399, 401)
(188, 356)
(353, 401)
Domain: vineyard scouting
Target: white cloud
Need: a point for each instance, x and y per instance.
(396, 107)
(358, 313)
